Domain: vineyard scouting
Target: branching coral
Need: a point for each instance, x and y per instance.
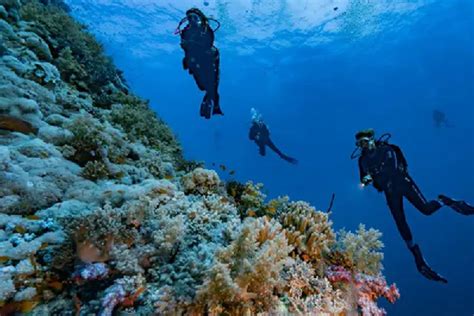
(366, 288)
(308, 230)
(247, 272)
(359, 251)
(308, 294)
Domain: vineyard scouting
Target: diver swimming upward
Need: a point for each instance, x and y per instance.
(260, 134)
(201, 58)
(384, 166)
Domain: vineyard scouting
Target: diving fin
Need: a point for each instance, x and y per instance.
(458, 206)
(423, 266)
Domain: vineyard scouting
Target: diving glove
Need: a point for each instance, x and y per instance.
(423, 267)
(458, 206)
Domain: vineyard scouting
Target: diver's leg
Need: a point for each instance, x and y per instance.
(395, 203)
(198, 80)
(217, 109)
(279, 153)
(205, 110)
(262, 149)
(275, 148)
(416, 198)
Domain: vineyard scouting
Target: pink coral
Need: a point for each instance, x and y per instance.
(369, 289)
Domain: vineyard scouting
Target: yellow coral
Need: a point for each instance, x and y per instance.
(308, 230)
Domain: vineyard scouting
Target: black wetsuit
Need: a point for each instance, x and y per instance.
(388, 168)
(260, 134)
(201, 58)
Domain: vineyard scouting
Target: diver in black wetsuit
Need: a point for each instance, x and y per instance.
(260, 134)
(201, 59)
(384, 165)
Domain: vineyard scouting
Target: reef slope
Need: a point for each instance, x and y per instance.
(100, 213)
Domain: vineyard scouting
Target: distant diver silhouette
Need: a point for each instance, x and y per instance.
(440, 119)
(383, 165)
(201, 58)
(260, 134)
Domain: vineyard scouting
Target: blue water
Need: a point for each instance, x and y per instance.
(318, 75)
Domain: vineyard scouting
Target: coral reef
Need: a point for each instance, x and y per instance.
(99, 211)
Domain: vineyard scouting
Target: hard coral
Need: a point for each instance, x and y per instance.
(60, 31)
(140, 123)
(201, 181)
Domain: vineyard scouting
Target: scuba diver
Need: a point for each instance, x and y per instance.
(201, 58)
(384, 166)
(440, 119)
(260, 134)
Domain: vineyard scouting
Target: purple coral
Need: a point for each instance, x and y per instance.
(114, 296)
(91, 271)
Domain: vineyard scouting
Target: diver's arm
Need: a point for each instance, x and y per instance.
(364, 177)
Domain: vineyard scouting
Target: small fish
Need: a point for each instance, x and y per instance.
(223, 168)
(224, 200)
(33, 217)
(28, 306)
(168, 177)
(232, 172)
(20, 229)
(271, 209)
(251, 213)
(13, 124)
(56, 285)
